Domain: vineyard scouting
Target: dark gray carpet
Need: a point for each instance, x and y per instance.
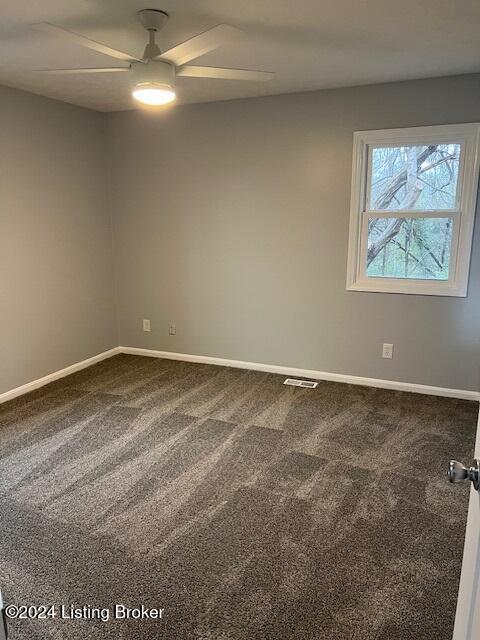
(246, 509)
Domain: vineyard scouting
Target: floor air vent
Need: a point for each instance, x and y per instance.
(301, 383)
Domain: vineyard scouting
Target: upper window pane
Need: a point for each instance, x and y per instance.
(414, 177)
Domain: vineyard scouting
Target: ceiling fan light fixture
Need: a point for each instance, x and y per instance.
(153, 76)
(154, 93)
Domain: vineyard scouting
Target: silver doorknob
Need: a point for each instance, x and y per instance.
(458, 472)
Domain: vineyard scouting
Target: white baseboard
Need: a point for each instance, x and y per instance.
(309, 373)
(36, 384)
(241, 364)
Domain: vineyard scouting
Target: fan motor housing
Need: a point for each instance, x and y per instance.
(157, 71)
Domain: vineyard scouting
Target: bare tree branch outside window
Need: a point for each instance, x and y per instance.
(412, 179)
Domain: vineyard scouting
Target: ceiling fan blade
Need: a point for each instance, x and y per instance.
(191, 71)
(84, 42)
(86, 70)
(203, 43)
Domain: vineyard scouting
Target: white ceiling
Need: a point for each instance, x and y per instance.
(310, 44)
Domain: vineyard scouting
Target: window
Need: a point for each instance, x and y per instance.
(412, 209)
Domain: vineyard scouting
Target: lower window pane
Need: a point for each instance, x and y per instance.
(417, 248)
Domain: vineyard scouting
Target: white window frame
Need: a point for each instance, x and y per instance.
(468, 136)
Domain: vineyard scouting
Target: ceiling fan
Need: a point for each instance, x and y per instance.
(153, 75)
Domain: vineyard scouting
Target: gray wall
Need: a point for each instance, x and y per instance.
(231, 219)
(56, 292)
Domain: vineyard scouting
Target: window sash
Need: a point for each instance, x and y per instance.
(362, 267)
(368, 180)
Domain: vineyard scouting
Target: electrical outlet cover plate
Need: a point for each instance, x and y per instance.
(387, 351)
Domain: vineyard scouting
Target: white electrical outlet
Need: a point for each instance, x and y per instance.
(387, 351)
(172, 329)
(146, 325)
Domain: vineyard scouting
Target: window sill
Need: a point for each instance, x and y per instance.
(415, 287)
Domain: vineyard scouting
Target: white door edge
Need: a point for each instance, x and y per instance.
(467, 619)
